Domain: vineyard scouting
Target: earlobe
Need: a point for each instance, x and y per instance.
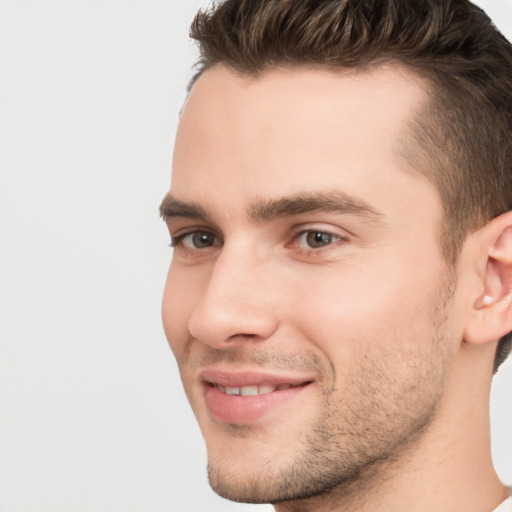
(491, 315)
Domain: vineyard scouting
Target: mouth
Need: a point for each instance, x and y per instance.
(263, 389)
(246, 398)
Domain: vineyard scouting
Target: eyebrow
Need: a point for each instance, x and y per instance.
(172, 207)
(271, 209)
(316, 202)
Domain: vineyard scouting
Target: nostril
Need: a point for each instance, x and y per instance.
(218, 320)
(242, 337)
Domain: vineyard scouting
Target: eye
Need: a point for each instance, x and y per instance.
(195, 240)
(315, 239)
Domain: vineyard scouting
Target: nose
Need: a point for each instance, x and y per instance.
(237, 304)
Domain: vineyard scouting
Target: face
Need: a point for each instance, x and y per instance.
(307, 299)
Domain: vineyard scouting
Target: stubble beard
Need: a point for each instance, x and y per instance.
(333, 457)
(359, 436)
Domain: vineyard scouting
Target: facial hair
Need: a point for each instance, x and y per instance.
(386, 402)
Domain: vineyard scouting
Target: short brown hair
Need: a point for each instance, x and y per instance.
(463, 140)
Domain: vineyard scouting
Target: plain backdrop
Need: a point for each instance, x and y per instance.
(92, 414)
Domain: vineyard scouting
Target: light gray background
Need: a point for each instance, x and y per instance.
(92, 415)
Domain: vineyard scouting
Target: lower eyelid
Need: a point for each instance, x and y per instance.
(336, 237)
(303, 250)
(178, 240)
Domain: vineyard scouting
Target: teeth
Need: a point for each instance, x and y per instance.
(265, 389)
(251, 390)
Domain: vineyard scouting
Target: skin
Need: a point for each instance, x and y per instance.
(356, 300)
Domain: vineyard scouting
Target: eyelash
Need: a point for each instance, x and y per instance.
(178, 240)
(332, 239)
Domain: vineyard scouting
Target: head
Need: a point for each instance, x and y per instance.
(337, 167)
(461, 141)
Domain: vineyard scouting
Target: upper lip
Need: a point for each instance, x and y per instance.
(239, 378)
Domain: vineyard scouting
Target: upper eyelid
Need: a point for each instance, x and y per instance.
(324, 231)
(306, 229)
(294, 232)
(297, 236)
(176, 224)
(323, 228)
(177, 237)
(185, 230)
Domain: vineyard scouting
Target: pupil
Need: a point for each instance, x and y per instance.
(318, 239)
(202, 239)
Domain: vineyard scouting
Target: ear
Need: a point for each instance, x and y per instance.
(491, 305)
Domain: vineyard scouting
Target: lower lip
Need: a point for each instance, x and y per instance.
(243, 410)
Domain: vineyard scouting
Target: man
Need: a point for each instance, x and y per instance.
(340, 293)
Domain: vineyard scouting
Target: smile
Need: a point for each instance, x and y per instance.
(264, 389)
(249, 397)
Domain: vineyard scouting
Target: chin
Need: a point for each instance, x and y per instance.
(275, 484)
(253, 465)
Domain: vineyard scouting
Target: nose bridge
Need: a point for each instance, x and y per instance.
(236, 303)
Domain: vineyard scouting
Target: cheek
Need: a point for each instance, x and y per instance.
(352, 311)
(179, 298)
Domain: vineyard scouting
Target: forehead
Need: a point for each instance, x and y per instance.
(290, 130)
